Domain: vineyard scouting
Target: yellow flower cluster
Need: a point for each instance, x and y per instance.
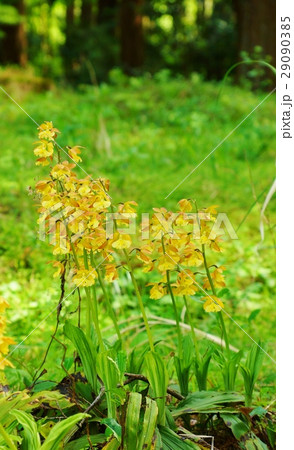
(5, 341)
(74, 212)
(177, 245)
(45, 146)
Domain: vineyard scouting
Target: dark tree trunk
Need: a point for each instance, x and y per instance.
(69, 29)
(14, 43)
(200, 13)
(86, 13)
(256, 26)
(106, 12)
(131, 38)
(70, 15)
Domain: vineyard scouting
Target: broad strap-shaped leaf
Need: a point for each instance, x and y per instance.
(241, 431)
(149, 425)
(158, 379)
(206, 402)
(31, 437)
(171, 441)
(132, 424)
(238, 426)
(114, 426)
(60, 430)
(86, 352)
(109, 372)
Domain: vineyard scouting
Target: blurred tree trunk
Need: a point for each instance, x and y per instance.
(106, 12)
(70, 15)
(69, 28)
(256, 26)
(131, 38)
(86, 13)
(200, 12)
(14, 43)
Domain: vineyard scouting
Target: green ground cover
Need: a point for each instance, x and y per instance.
(145, 135)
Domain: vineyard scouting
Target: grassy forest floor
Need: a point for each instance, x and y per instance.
(145, 135)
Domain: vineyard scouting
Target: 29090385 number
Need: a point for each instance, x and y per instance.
(285, 44)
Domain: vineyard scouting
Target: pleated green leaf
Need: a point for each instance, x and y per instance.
(149, 425)
(207, 402)
(132, 424)
(86, 352)
(31, 437)
(60, 430)
(158, 379)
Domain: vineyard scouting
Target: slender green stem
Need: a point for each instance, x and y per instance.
(140, 301)
(221, 319)
(179, 332)
(109, 305)
(96, 318)
(194, 338)
(92, 309)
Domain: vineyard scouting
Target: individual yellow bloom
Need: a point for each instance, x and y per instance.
(158, 291)
(74, 153)
(111, 273)
(94, 221)
(3, 304)
(185, 284)
(206, 283)
(84, 186)
(166, 263)
(70, 184)
(60, 269)
(47, 131)
(62, 170)
(101, 202)
(123, 241)
(45, 187)
(50, 200)
(149, 267)
(211, 209)
(185, 205)
(212, 304)
(42, 162)
(214, 244)
(143, 257)
(127, 207)
(85, 277)
(44, 149)
(102, 184)
(4, 362)
(218, 278)
(193, 257)
(182, 219)
(4, 344)
(2, 324)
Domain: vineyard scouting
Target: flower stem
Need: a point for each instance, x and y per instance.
(109, 306)
(221, 319)
(92, 309)
(141, 305)
(179, 332)
(96, 318)
(194, 338)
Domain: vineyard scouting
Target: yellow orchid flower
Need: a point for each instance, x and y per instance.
(212, 304)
